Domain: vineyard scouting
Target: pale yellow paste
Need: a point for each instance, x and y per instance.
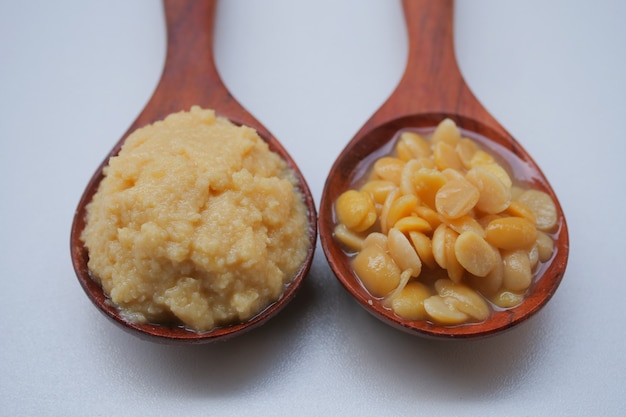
(196, 222)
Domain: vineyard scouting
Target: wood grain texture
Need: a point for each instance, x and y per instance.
(431, 89)
(189, 77)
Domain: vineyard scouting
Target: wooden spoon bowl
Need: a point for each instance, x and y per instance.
(431, 89)
(189, 78)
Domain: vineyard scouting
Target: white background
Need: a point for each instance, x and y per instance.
(74, 75)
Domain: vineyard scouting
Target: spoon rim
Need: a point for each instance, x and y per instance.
(370, 140)
(177, 334)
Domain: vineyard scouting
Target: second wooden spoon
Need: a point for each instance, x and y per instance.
(432, 89)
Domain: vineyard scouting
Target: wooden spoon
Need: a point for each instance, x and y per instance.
(430, 90)
(189, 78)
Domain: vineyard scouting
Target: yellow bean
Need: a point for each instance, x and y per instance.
(407, 185)
(488, 218)
(466, 148)
(456, 198)
(481, 157)
(517, 273)
(423, 246)
(453, 266)
(474, 254)
(491, 283)
(403, 252)
(356, 210)
(533, 256)
(405, 276)
(401, 207)
(507, 299)
(427, 183)
(518, 209)
(446, 157)
(377, 271)
(542, 206)
(413, 223)
(412, 145)
(424, 162)
(495, 196)
(545, 246)
(384, 212)
(389, 168)
(497, 170)
(348, 237)
(443, 313)
(493, 280)
(430, 215)
(446, 131)
(452, 174)
(378, 189)
(443, 252)
(511, 233)
(439, 245)
(376, 239)
(409, 304)
(463, 299)
(465, 223)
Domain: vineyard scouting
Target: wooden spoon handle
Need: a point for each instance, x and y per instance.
(432, 81)
(190, 76)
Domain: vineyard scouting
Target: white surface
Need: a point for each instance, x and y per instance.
(73, 76)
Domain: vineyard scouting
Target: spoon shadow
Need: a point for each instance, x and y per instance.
(441, 370)
(219, 369)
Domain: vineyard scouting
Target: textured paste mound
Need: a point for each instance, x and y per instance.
(196, 222)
